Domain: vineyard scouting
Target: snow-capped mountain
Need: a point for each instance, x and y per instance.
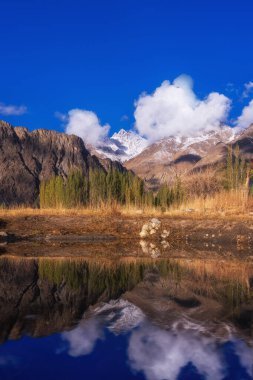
(122, 146)
(126, 145)
(168, 156)
(162, 160)
(133, 142)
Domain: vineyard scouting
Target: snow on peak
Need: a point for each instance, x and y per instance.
(198, 143)
(122, 146)
(133, 142)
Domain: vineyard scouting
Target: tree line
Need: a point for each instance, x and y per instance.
(105, 188)
(99, 187)
(94, 189)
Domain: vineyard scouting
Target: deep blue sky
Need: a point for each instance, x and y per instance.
(101, 55)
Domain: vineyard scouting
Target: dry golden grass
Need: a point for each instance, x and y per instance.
(222, 205)
(104, 210)
(234, 204)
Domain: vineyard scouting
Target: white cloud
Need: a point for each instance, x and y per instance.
(248, 87)
(11, 110)
(174, 108)
(86, 125)
(246, 117)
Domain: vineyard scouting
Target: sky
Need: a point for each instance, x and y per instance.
(94, 67)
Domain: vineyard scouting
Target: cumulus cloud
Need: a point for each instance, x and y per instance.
(11, 110)
(174, 108)
(86, 125)
(248, 87)
(246, 118)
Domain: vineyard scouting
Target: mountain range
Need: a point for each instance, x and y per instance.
(172, 156)
(179, 155)
(27, 158)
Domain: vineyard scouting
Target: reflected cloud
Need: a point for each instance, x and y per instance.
(163, 354)
(245, 354)
(118, 316)
(83, 338)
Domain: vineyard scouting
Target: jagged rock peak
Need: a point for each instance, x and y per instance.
(26, 158)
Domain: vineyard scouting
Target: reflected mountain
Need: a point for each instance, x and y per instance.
(42, 296)
(174, 315)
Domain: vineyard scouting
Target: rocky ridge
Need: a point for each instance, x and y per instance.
(27, 158)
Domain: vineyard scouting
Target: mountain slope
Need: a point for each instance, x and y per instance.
(27, 158)
(175, 155)
(218, 155)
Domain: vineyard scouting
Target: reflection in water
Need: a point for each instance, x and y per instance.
(118, 316)
(171, 317)
(83, 338)
(163, 354)
(150, 249)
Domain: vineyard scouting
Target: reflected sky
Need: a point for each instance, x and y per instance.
(167, 354)
(119, 341)
(153, 321)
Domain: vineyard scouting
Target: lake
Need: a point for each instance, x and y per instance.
(141, 315)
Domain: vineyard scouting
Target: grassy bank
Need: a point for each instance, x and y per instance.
(233, 204)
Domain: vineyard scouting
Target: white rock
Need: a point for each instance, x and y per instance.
(165, 234)
(143, 243)
(145, 227)
(165, 244)
(153, 231)
(143, 234)
(155, 221)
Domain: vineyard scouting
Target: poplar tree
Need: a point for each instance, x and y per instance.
(229, 168)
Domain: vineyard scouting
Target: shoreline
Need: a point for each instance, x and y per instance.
(95, 228)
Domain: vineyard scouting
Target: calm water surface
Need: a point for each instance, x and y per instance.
(129, 318)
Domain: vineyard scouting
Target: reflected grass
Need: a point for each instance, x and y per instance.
(227, 282)
(99, 277)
